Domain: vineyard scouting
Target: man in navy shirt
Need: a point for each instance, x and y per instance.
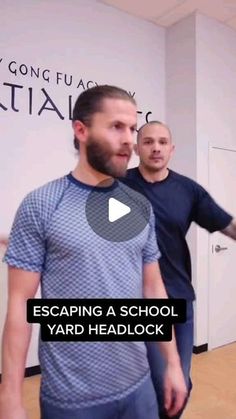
(177, 201)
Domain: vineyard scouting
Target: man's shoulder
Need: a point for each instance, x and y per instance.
(132, 173)
(127, 188)
(189, 187)
(184, 180)
(48, 193)
(133, 180)
(131, 177)
(133, 194)
(181, 178)
(137, 199)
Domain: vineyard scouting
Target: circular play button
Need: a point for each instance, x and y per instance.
(117, 213)
(116, 210)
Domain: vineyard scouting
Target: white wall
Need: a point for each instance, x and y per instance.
(79, 38)
(181, 108)
(181, 93)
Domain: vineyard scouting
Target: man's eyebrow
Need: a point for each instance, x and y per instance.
(118, 121)
(148, 138)
(153, 139)
(163, 138)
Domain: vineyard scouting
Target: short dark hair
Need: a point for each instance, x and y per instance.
(151, 123)
(90, 101)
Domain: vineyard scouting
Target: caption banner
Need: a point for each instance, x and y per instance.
(106, 319)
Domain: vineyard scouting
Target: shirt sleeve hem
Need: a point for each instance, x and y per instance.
(27, 266)
(152, 258)
(223, 225)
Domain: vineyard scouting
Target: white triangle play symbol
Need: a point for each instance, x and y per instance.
(116, 210)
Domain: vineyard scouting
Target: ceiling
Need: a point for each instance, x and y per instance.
(167, 12)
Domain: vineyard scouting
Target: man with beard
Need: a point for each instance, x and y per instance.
(52, 243)
(177, 201)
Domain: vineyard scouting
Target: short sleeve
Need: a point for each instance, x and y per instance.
(151, 252)
(26, 249)
(207, 213)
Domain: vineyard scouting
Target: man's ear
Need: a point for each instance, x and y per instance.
(173, 149)
(80, 131)
(136, 149)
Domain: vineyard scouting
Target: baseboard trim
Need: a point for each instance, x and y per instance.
(201, 348)
(30, 371)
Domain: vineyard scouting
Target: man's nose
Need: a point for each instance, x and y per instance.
(156, 148)
(128, 137)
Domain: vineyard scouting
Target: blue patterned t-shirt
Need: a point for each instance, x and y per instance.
(51, 235)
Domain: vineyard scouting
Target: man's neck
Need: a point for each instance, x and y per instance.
(86, 174)
(151, 176)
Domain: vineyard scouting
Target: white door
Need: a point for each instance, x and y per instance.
(222, 268)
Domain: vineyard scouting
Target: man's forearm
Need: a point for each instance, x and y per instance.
(16, 339)
(22, 285)
(155, 288)
(169, 350)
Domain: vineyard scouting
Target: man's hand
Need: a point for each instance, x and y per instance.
(175, 389)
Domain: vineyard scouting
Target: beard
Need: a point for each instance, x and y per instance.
(99, 157)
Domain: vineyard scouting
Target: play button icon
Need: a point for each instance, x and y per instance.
(117, 213)
(117, 210)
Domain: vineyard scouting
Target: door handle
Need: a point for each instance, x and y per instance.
(218, 248)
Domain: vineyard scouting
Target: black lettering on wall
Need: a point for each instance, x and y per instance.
(53, 106)
(13, 91)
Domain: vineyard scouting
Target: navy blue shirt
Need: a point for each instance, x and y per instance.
(177, 201)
